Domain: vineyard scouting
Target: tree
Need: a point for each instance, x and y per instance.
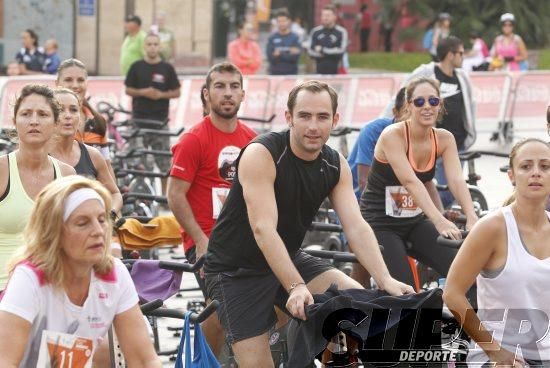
(532, 17)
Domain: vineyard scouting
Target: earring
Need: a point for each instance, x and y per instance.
(514, 183)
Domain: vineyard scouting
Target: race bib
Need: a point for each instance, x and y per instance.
(399, 203)
(218, 199)
(61, 350)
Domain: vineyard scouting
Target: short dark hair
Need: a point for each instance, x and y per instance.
(41, 90)
(446, 45)
(330, 7)
(313, 86)
(203, 100)
(225, 67)
(282, 13)
(133, 18)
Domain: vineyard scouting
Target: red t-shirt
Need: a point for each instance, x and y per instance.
(205, 157)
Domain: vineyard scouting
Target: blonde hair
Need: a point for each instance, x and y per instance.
(513, 154)
(65, 91)
(43, 233)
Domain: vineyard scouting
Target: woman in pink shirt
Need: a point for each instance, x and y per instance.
(245, 52)
(508, 47)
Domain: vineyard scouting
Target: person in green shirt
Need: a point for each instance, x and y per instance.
(132, 47)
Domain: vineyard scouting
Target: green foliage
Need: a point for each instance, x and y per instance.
(544, 60)
(403, 62)
(532, 18)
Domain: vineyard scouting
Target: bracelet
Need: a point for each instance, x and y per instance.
(294, 285)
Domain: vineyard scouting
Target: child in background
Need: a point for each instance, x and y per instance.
(52, 61)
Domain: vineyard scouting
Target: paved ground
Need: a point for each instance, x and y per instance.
(494, 184)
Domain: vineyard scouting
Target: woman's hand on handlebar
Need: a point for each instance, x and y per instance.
(448, 229)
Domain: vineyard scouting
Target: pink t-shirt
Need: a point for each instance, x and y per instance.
(246, 55)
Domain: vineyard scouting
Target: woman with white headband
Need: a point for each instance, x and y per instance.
(65, 289)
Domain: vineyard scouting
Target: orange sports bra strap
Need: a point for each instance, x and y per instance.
(434, 143)
(407, 136)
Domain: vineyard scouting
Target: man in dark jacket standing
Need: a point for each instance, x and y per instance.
(328, 42)
(283, 47)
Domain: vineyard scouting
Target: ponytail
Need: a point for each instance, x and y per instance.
(100, 125)
(511, 199)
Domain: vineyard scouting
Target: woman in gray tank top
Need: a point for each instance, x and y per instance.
(86, 160)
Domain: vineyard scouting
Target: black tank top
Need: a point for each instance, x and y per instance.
(300, 188)
(381, 175)
(85, 166)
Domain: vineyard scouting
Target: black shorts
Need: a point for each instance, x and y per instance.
(247, 296)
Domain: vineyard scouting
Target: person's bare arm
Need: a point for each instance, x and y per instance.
(434, 195)
(134, 339)
(392, 144)
(479, 250)
(139, 92)
(455, 180)
(173, 93)
(259, 196)
(105, 177)
(178, 203)
(361, 238)
(522, 50)
(362, 176)
(16, 330)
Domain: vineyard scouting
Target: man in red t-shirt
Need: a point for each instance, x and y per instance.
(203, 169)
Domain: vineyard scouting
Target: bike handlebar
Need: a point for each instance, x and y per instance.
(195, 318)
(129, 196)
(322, 226)
(452, 243)
(343, 131)
(329, 254)
(121, 173)
(151, 306)
(171, 265)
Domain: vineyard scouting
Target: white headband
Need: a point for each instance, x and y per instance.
(76, 198)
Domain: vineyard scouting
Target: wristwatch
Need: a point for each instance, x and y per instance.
(294, 285)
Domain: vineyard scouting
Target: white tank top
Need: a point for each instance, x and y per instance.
(516, 303)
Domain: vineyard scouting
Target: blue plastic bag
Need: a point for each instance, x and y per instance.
(202, 356)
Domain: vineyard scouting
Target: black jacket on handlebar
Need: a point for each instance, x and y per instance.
(371, 321)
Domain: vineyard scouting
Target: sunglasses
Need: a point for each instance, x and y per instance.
(420, 101)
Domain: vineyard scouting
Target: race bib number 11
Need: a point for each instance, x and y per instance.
(399, 203)
(60, 350)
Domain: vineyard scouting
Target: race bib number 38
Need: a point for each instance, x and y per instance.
(399, 203)
(60, 350)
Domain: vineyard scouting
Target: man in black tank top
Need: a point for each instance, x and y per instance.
(254, 260)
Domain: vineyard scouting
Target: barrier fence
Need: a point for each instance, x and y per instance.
(362, 97)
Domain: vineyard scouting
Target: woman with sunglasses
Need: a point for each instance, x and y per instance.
(396, 203)
(508, 49)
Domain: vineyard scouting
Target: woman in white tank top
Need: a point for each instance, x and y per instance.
(508, 255)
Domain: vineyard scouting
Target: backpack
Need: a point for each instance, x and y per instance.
(427, 39)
